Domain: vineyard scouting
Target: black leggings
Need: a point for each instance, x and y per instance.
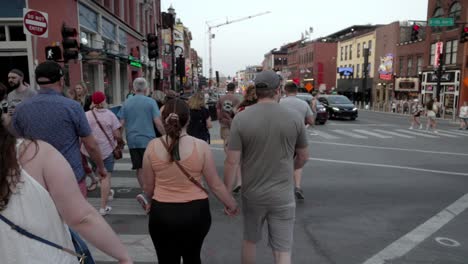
(178, 230)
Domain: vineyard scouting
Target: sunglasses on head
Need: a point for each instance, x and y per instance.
(3, 107)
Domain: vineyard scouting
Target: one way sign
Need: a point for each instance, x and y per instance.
(53, 53)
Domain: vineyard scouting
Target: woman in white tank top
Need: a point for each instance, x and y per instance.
(39, 193)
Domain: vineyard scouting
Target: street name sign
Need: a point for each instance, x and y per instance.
(35, 23)
(441, 22)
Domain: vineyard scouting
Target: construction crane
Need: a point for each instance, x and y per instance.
(211, 36)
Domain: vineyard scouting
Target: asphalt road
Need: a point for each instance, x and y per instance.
(376, 192)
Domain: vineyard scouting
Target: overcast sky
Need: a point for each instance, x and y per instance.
(245, 43)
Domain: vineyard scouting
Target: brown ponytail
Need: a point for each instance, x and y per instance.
(175, 116)
(9, 166)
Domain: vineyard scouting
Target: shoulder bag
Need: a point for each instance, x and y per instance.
(190, 177)
(117, 152)
(81, 249)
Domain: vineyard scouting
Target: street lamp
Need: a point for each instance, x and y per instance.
(172, 12)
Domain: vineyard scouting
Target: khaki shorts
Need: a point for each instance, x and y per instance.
(280, 223)
(225, 132)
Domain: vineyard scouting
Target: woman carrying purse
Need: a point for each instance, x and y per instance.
(106, 130)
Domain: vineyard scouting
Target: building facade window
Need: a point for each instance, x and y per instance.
(451, 50)
(420, 64)
(370, 47)
(12, 8)
(358, 51)
(438, 12)
(88, 18)
(2, 33)
(108, 29)
(350, 52)
(432, 56)
(341, 55)
(16, 33)
(400, 66)
(455, 12)
(409, 67)
(358, 68)
(346, 53)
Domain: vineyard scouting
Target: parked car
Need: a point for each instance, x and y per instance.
(339, 106)
(322, 114)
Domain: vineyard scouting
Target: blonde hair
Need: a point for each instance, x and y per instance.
(74, 96)
(196, 101)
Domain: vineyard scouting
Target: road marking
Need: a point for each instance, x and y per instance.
(409, 241)
(389, 166)
(389, 148)
(124, 182)
(369, 133)
(120, 206)
(440, 134)
(124, 166)
(348, 133)
(393, 133)
(445, 241)
(416, 133)
(325, 135)
(458, 133)
(140, 248)
(125, 155)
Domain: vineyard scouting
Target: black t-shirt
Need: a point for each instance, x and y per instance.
(197, 127)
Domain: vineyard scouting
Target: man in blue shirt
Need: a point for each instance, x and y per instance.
(58, 120)
(138, 114)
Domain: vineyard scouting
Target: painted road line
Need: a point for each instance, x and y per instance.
(416, 133)
(122, 166)
(125, 155)
(393, 133)
(369, 133)
(140, 248)
(325, 135)
(120, 206)
(388, 166)
(348, 133)
(440, 134)
(458, 133)
(125, 182)
(389, 148)
(409, 241)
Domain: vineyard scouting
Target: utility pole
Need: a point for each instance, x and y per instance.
(211, 36)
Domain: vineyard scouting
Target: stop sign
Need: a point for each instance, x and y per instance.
(35, 23)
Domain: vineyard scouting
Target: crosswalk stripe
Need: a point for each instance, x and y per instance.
(348, 133)
(125, 182)
(416, 133)
(140, 248)
(444, 134)
(122, 166)
(120, 206)
(369, 133)
(393, 133)
(325, 135)
(458, 133)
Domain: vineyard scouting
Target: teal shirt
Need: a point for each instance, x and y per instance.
(139, 111)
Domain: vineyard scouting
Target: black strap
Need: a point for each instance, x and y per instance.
(190, 177)
(40, 239)
(103, 131)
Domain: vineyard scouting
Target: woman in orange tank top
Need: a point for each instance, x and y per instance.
(173, 167)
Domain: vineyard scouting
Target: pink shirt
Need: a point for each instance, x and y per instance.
(110, 123)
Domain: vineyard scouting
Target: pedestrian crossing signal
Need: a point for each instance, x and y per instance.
(53, 53)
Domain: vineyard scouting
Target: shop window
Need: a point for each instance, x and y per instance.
(89, 71)
(17, 33)
(2, 33)
(451, 49)
(108, 82)
(432, 57)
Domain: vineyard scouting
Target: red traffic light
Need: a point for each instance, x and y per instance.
(416, 27)
(465, 29)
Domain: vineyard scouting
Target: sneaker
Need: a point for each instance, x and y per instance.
(105, 211)
(411, 127)
(420, 127)
(111, 195)
(435, 131)
(299, 194)
(236, 190)
(142, 200)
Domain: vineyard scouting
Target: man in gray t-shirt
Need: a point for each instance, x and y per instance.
(263, 141)
(20, 91)
(305, 113)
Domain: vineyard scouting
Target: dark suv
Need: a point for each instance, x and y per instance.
(339, 106)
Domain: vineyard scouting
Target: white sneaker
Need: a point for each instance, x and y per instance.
(411, 127)
(420, 127)
(111, 195)
(435, 131)
(105, 211)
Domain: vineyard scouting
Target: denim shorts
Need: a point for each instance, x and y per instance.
(108, 163)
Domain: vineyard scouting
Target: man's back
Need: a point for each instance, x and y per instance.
(139, 112)
(267, 135)
(57, 120)
(298, 105)
(226, 106)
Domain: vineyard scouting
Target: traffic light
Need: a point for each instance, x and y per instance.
(152, 46)
(464, 35)
(180, 65)
(69, 43)
(415, 32)
(167, 20)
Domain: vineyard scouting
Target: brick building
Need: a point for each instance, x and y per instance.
(109, 32)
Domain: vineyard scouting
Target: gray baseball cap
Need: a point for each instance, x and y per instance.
(267, 80)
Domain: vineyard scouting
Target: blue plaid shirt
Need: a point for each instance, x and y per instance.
(57, 120)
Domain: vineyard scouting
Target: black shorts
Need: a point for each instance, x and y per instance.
(136, 155)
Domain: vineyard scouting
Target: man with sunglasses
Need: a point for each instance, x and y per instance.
(58, 120)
